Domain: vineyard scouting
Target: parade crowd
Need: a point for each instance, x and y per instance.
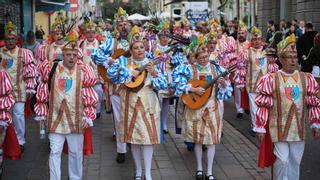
(139, 69)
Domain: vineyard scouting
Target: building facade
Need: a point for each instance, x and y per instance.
(307, 10)
(20, 12)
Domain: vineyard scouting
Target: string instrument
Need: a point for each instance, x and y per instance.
(195, 101)
(177, 37)
(138, 82)
(102, 71)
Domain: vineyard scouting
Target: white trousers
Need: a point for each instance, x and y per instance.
(19, 121)
(99, 91)
(115, 101)
(253, 109)
(289, 155)
(75, 155)
(237, 98)
(221, 104)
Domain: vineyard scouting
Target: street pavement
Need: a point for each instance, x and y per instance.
(235, 157)
(310, 164)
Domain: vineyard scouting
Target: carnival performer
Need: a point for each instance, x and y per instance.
(120, 42)
(202, 126)
(257, 67)
(8, 139)
(20, 65)
(166, 68)
(140, 108)
(180, 107)
(242, 48)
(52, 48)
(88, 46)
(67, 100)
(212, 46)
(226, 46)
(286, 99)
(149, 42)
(186, 26)
(104, 56)
(176, 27)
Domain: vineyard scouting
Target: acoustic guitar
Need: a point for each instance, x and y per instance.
(138, 82)
(178, 37)
(195, 101)
(102, 71)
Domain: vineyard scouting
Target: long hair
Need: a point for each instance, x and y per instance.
(316, 41)
(276, 39)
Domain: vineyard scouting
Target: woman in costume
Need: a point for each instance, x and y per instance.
(202, 126)
(166, 67)
(140, 109)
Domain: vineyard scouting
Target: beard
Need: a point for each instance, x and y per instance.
(241, 39)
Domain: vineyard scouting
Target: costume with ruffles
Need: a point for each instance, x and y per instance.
(204, 125)
(140, 111)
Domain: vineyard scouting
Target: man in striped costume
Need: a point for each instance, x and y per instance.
(88, 46)
(20, 65)
(286, 99)
(11, 149)
(52, 49)
(242, 48)
(69, 107)
(257, 67)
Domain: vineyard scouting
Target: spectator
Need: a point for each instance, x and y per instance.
(236, 26)
(272, 48)
(314, 56)
(283, 26)
(31, 42)
(230, 30)
(109, 26)
(270, 31)
(304, 44)
(294, 22)
(300, 31)
(292, 30)
(288, 25)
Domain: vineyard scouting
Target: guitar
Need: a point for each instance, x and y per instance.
(102, 71)
(138, 82)
(195, 101)
(179, 38)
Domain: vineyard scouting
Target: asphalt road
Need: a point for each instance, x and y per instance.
(310, 165)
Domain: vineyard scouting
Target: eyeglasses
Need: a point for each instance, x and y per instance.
(11, 39)
(288, 57)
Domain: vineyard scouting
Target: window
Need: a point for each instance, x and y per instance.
(177, 11)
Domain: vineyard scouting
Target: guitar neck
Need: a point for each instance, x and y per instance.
(156, 60)
(213, 81)
(142, 68)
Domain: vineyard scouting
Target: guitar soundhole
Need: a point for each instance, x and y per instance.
(193, 97)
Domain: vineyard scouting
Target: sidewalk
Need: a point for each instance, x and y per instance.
(235, 157)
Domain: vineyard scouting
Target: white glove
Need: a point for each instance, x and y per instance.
(316, 71)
